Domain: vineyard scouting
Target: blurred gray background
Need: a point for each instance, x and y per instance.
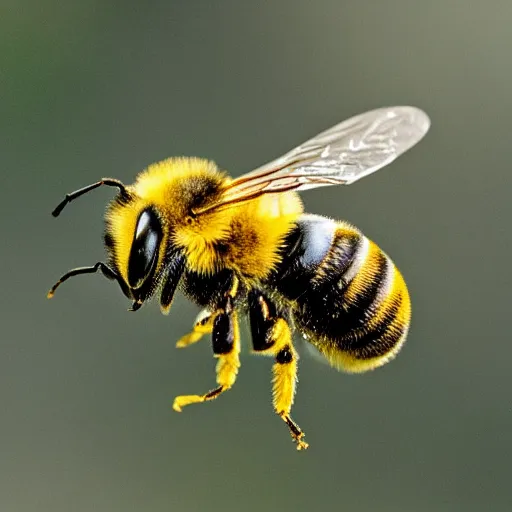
(96, 88)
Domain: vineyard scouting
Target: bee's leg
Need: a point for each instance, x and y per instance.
(271, 335)
(226, 348)
(203, 325)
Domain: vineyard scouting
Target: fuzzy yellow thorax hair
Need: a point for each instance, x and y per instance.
(245, 238)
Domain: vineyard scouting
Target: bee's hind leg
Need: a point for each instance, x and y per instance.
(226, 348)
(271, 335)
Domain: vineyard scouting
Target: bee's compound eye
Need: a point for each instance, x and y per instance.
(144, 251)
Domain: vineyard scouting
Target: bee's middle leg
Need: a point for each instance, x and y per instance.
(226, 348)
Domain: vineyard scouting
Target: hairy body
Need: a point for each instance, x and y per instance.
(246, 247)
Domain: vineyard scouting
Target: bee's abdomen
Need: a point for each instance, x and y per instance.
(356, 309)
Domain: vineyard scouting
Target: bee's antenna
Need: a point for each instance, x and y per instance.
(77, 193)
(108, 272)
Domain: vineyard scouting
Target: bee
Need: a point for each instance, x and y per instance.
(244, 247)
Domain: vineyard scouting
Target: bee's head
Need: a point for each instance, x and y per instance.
(136, 238)
(151, 227)
(140, 256)
(147, 229)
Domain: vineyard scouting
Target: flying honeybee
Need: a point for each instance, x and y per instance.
(244, 246)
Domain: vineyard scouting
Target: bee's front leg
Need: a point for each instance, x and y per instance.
(203, 325)
(226, 348)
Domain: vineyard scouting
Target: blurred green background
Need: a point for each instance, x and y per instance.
(96, 88)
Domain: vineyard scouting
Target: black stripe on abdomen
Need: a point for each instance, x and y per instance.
(356, 313)
(335, 307)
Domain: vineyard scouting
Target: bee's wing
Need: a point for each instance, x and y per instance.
(340, 155)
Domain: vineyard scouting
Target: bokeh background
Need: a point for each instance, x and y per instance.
(96, 88)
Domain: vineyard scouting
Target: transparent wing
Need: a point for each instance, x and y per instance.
(340, 155)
